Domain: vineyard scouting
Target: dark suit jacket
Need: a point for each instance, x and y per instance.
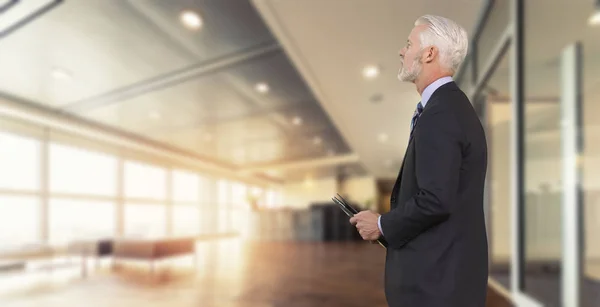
(438, 252)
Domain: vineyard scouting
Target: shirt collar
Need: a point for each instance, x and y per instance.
(430, 89)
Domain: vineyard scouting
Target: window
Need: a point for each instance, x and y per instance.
(78, 171)
(19, 162)
(208, 220)
(206, 191)
(224, 199)
(224, 193)
(186, 187)
(72, 220)
(224, 220)
(19, 220)
(145, 181)
(273, 199)
(239, 195)
(186, 220)
(258, 197)
(145, 221)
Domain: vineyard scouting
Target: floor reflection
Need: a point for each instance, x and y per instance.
(232, 273)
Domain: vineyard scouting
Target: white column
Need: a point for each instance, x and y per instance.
(572, 139)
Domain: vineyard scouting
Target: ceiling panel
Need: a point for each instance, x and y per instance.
(285, 86)
(197, 102)
(228, 26)
(83, 48)
(256, 141)
(308, 175)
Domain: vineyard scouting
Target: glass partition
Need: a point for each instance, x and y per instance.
(498, 133)
(543, 157)
(493, 29)
(590, 284)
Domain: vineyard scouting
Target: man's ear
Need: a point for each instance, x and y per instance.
(429, 54)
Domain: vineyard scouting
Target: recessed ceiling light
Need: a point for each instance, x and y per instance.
(154, 115)
(376, 98)
(60, 73)
(262, 87)
(382, 137)
(371, 71)
(191, 20)
(297, 121)
(595, 18)
(308, 181)
(317, 140)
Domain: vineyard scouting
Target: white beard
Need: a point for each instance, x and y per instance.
(410, 75)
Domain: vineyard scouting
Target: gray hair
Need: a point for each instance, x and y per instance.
(449, 37)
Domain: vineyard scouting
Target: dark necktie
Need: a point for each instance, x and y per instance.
(415, 117)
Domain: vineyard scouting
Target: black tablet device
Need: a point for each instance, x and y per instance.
(351, 211)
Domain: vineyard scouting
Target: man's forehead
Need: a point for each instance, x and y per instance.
(413, 37)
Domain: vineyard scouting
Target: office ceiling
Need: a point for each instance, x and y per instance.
(332, 41)
(225, 90)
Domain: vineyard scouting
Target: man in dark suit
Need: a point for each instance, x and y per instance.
(438, 251)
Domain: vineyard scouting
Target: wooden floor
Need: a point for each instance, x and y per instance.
(235, 274)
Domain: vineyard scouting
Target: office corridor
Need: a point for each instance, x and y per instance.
(236, 274)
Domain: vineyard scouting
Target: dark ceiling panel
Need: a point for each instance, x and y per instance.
(228, 25)
(284, 83)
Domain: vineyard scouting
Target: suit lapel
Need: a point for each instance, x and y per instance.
(410, 140)
(399, 178)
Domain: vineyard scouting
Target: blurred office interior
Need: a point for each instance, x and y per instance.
(185, 152)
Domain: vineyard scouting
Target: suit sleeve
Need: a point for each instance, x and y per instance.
(437, 166)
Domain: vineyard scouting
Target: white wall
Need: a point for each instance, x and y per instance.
(363, 190)
(302, 193)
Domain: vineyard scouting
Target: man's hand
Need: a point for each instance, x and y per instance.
(366, 223)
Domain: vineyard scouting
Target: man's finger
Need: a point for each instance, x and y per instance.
(353, 220)
(360, 224)
(360, 214)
